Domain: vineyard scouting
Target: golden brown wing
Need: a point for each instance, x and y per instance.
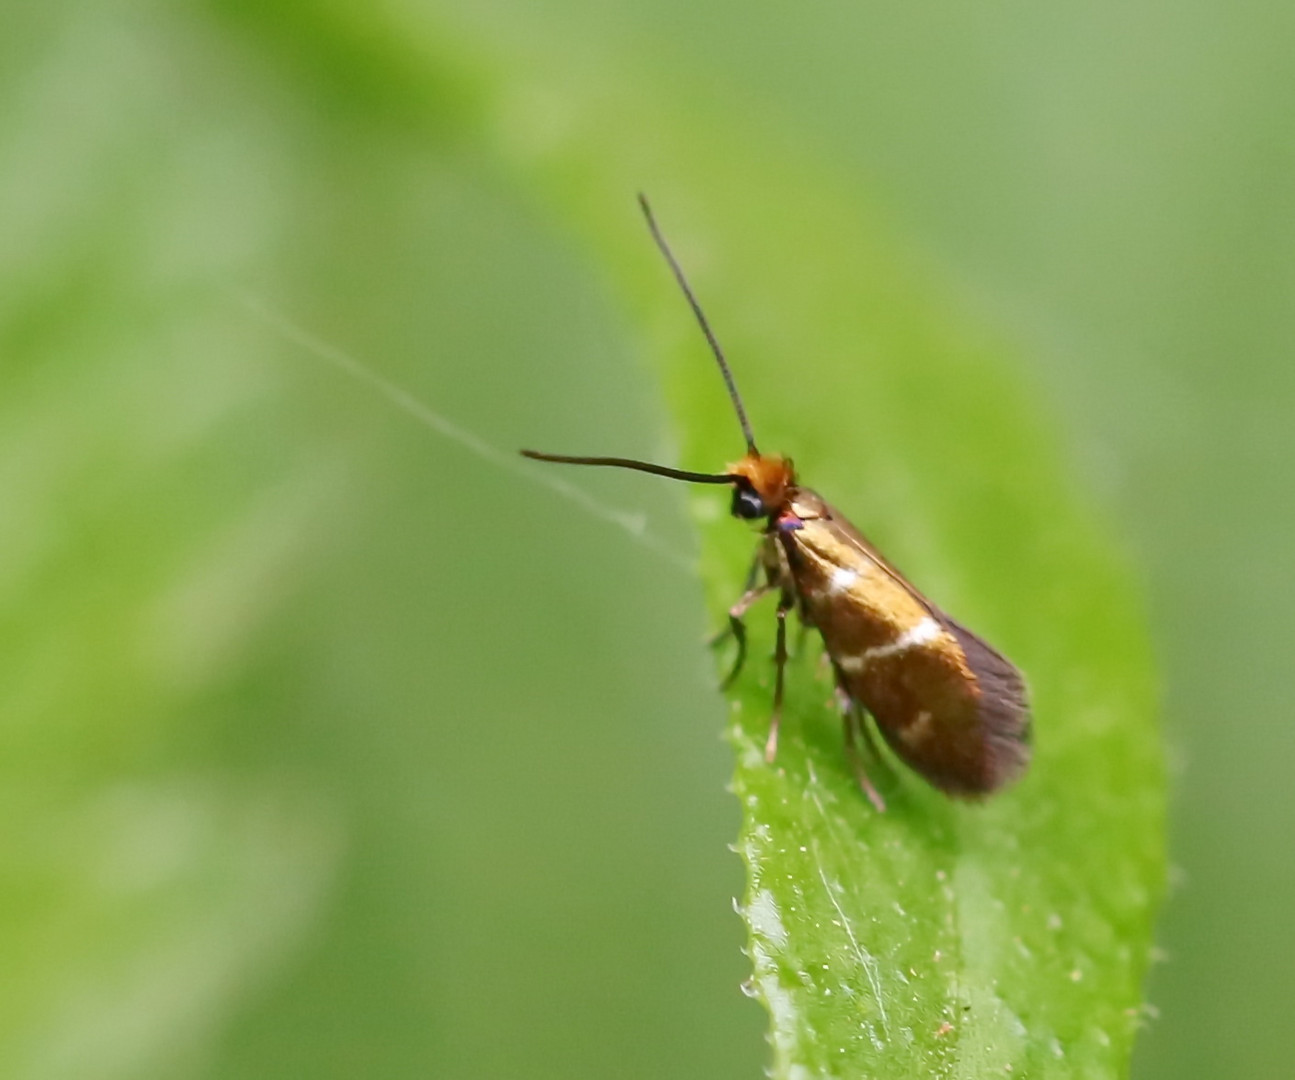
(949, 705)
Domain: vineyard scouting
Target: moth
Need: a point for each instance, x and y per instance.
(948, 704)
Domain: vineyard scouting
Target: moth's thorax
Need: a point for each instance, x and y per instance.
(770, 476)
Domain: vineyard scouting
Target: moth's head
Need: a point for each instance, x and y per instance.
(761, 483)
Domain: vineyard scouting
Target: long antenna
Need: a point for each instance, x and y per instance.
(701, 318)
(639, 466)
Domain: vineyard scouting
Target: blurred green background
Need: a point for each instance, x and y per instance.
(331, 749)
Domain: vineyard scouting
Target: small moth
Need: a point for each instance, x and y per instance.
(947, 703)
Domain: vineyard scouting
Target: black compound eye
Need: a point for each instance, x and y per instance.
(747, 504)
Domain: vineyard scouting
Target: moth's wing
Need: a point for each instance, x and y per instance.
(966, 747)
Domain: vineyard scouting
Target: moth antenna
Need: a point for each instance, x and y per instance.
(638, 466)
(701, 319)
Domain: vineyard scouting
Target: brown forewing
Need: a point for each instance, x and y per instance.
(948, 704)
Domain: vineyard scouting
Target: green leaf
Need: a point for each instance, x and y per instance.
(938, 938)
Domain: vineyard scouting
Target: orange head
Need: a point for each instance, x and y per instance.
(761, 484)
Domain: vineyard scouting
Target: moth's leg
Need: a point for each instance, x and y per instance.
(748, 585)
(751, 592)
(737, 628)
(802, 633)
(855, 727)
(865, 729)
(780, 663)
